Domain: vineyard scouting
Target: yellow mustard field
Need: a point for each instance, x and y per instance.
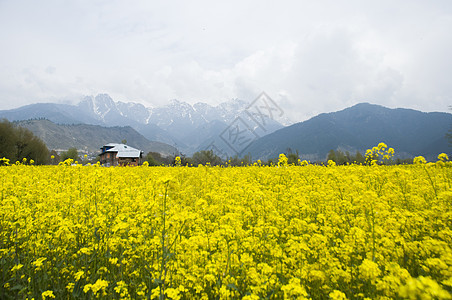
(295, 232)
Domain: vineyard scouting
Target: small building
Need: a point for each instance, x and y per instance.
(120, 155)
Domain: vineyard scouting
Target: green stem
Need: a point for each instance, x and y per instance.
(164, 251)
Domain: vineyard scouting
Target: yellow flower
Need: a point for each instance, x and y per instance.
(283, 160)
(121, 289)
(177, 161)
(225, 233)
(99, 285)
(419, 160)
(337, 295)
(369, 270)
(79, 275)
(16, 267)
(331, 163)
(443, 157)
(294, 290)
(70, 287)
(47, 294)
(113, 261)
(4, 161)
(172, 293)
(423, 288)
(39, 262)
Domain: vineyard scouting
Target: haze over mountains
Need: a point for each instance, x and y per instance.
(191, 128)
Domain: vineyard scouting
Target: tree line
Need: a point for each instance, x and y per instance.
(205, 157)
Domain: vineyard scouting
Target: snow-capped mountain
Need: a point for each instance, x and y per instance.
(104, 109)
(181, 124)
(177, 123)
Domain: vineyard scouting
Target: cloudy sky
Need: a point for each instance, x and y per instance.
(309, 56)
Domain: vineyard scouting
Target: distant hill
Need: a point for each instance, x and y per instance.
(58, 113)
(91, 137)
(360, 127)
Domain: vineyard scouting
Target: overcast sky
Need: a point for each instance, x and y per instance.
(309, 56)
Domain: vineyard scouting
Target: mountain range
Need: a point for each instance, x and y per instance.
(191, 128)
(184, 126)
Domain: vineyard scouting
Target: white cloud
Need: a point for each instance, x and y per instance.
(310, 57)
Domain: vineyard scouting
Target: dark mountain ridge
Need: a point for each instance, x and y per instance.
(358, 128)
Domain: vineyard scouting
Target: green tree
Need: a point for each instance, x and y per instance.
(70, 153)
(17, 143)
(332, 156)
(247, 159)
(156, 159)
(150, 158)
(236, 161)
(272, 161)
(292, 158)
(203, 157)
(341, 158)
(359, 158)
(7, 140)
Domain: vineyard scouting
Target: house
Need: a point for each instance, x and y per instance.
(120, 155)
